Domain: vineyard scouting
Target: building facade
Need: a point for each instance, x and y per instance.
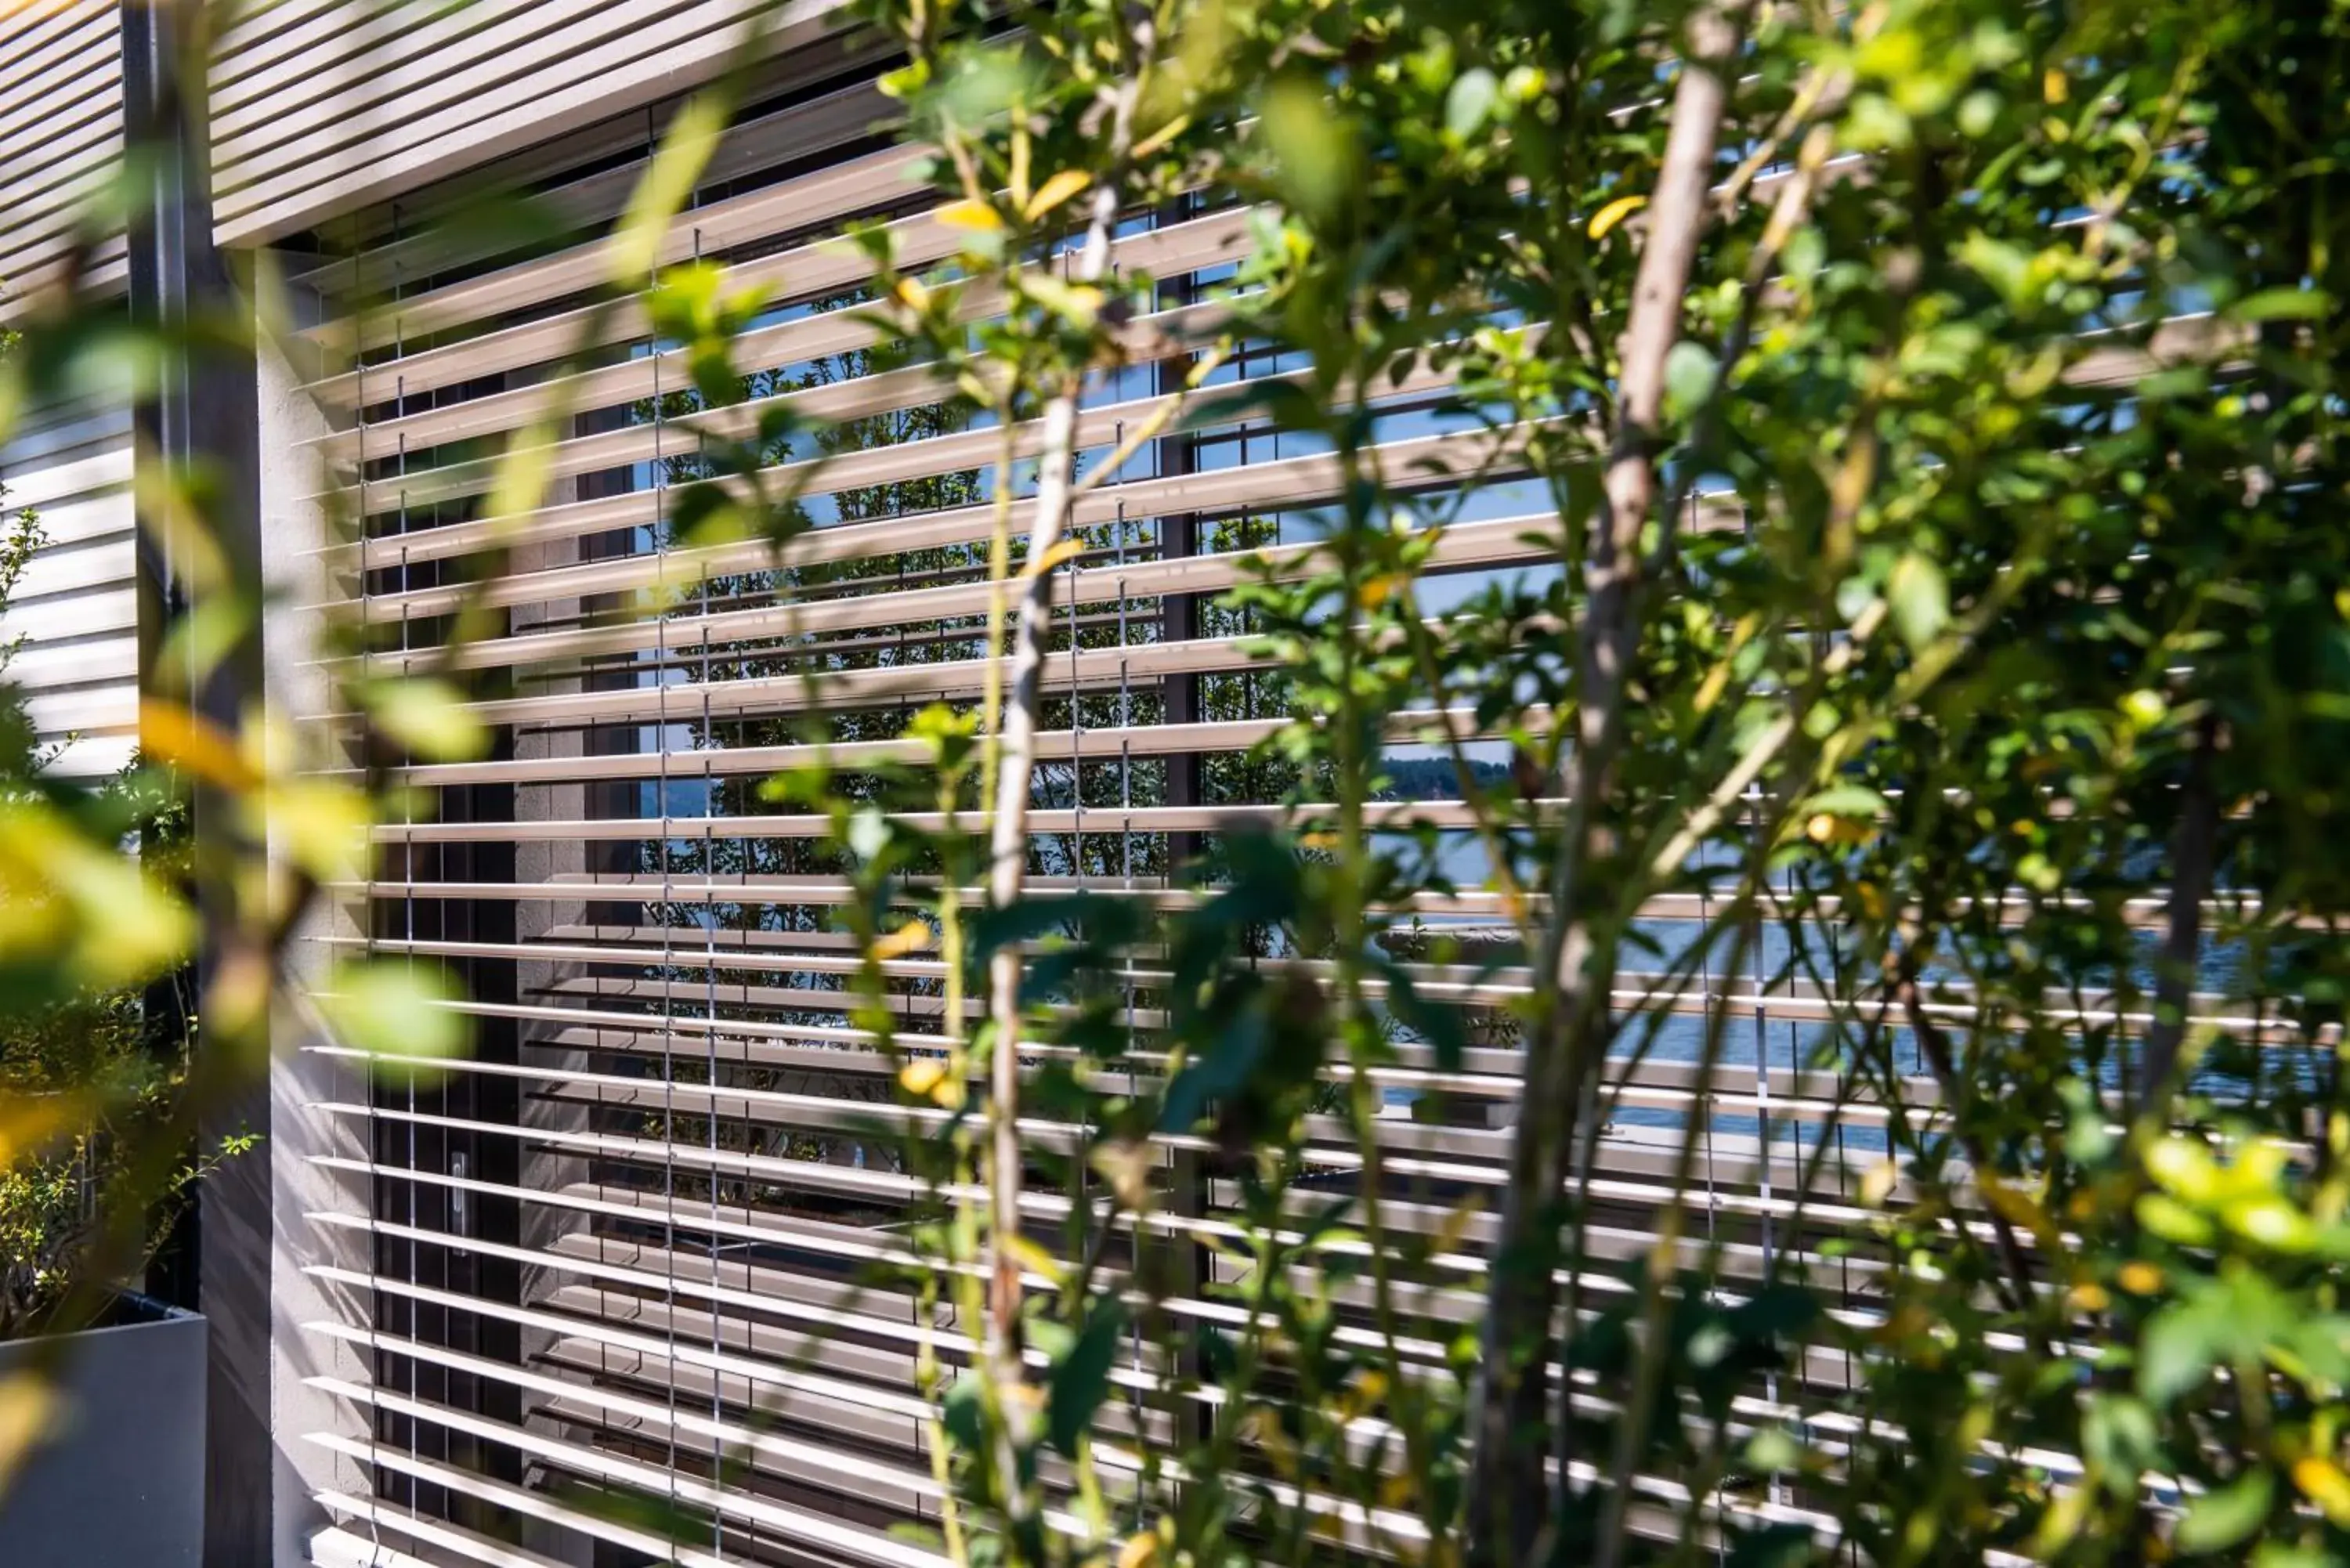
(626, 1247)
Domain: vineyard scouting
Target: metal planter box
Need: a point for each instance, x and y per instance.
(121, 1480)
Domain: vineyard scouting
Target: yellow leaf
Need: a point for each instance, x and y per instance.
(2272, 1223)
(2184, 1169)
(1066, 550)
(28, 1412)
(2140, 1279)
(1878, 1182)
(1615, 212)
(912, 295)
(1056, 190)
(185, 739)
(2053, 86)
(29, 1121)
(322, 825)
(83, 905)
(1376, 591)
(1125, 1165)
(910, 938)
(1455, 1228)
(2323, 1482)
(1035, 1259)
(2061, 1522)
(923, 1077)
(1079, 303)
(1162, 136)
(977, 216)
(1140, 1550)
(1828, 827)
(2018, 1209)
(1717, 679)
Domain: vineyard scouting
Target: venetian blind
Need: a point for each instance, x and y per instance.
(627, 1245)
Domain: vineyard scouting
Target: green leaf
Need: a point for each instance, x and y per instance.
(1847, 800)
(976, 87)
(2283, 304)
(1312, 147)
(1772, 1546)
(1081, 1377)
(1285, 403)
(2006, 267)
(2272, 1223)
(1919, 599)
(684, 303)
(2172, 1221)
(1470, 100)
(964, 1414)
(1773, 1448)
(2086, 1139)
(704, 513)
(2119, 1435)
(2178, 1351)
(1873, 122)
(2321, 1344)
(1437, 1023)
(428, 718)
(2220, 1519)
(869, 834)
(666, 185)
(391, 1007)
(1078, 305)
(1690, 372)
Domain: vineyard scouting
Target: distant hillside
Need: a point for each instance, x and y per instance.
(1431, 778)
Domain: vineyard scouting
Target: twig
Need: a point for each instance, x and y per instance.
(1008, 836)
(2194, 848)
(1507, 1490)
(1150, 428)
(1934, 1045)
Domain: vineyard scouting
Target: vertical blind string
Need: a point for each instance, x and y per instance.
(367, 922)
(408, 935)
(710, 1024)
(668, 906)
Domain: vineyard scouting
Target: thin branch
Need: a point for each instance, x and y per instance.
(1151, 427)
(2194, 849)
(1008, 836)
(1507, 1489)
(1934, 1045)
(1664, 1254)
